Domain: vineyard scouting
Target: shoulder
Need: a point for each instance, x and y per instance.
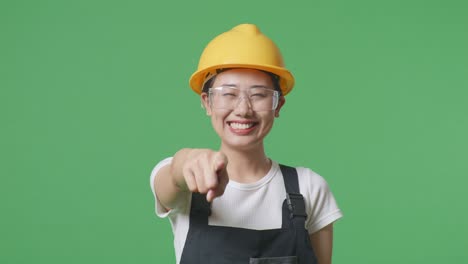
(311, 184)
(321, 206)
(153, 174)
(161, 164)
(314, 187)
(158, 167)
(310, 179)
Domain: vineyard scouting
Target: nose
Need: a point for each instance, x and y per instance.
(243, 107)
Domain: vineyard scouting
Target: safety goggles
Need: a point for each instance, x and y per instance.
(228, 98)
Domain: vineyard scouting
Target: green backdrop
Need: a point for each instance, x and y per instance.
(94, 93)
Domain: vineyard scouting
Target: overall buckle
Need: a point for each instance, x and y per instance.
(296, 205)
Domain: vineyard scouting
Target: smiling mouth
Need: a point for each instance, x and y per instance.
(236, 125)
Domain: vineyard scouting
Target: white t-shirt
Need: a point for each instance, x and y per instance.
(255, 205)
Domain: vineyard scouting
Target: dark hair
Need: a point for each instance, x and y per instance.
(274, 78)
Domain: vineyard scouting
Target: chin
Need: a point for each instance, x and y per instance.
(242, 143)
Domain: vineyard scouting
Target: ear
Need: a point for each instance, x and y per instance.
(206, 103)
(281, 102)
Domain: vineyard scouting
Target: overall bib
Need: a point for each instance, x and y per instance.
(289, 244)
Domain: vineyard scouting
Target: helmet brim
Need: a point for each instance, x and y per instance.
(286, 78)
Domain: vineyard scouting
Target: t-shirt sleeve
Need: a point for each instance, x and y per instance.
(159, 208)
(321, 205)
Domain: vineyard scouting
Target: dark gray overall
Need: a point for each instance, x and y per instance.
(289, 244)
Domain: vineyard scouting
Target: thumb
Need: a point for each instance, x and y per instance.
(211, 195)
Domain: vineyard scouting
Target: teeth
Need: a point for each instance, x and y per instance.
(241, 126)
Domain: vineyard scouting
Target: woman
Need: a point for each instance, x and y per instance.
(235, 205)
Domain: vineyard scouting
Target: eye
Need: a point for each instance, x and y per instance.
(260, 94)
(228, 94)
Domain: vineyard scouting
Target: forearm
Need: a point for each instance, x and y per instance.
(322, 243)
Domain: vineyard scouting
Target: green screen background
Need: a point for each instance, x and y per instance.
(94, 93)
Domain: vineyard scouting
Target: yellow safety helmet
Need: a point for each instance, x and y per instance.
(244, 46)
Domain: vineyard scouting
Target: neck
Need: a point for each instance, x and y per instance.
(246, 165)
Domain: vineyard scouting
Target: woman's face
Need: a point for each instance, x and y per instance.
(242, 128)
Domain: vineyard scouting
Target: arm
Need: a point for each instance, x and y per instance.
(322, 243)
(191, 170)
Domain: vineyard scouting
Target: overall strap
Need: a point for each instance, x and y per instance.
(294, 199)
(200, 209)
